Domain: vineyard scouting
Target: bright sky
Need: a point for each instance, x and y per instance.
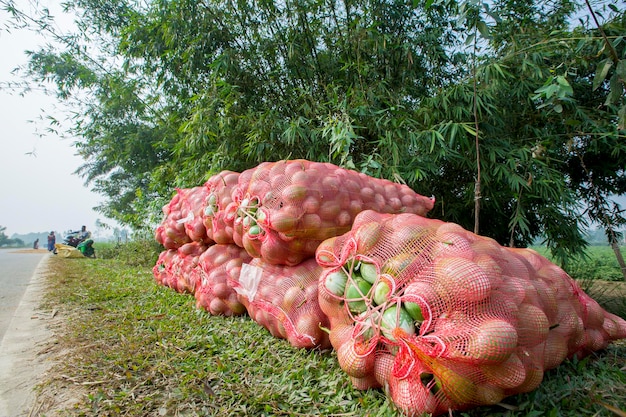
(38, 190)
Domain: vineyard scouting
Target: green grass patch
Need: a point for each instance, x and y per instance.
(599, 263)
(133, 348)
(143, 252)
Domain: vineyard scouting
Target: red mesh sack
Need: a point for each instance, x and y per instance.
(171, 232)
(192, 211)
(446, 319)
(234, 212)
(161, 270)
(217, 267)
(285, 209)
(217, 220)
(176, 267)
(284, 300)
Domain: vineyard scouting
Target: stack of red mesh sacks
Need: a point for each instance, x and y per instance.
(200, 255)
(176, 268)
(183, 240)
(281, 212)
(171, 233)
(444, 319)
(276, 213)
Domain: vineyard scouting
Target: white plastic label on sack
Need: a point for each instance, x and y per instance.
(186, 219)
(249, 279)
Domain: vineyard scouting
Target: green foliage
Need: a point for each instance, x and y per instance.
(510, 97)
(600, 266)
(136, 253)
(597, 263)
(3, 237)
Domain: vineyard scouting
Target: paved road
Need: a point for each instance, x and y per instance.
(16, 270)
(24, 330)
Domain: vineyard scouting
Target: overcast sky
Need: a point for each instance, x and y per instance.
(38, 190)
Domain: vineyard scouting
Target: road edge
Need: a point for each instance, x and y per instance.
(22, 362)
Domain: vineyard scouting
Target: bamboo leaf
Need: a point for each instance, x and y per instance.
(620, 70)
(601, 72)
(469, 129)
(615, 90)
(483, 29)
(613, 409)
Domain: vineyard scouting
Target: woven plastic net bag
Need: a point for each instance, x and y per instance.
(171, 232)
(217, 222)
(192, 209)
(175, 268)
(216, 268)
(284, 300)
(444, 319)
(283, 210)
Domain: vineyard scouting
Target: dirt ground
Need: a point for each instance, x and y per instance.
(40, 250)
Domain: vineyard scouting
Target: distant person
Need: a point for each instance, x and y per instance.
(52, 239)
(74, 238)
(86, 248)
(36, 244)
(84, 233)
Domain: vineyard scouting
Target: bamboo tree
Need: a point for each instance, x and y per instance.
(383, 87)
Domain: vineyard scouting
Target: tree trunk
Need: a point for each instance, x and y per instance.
(620, 258)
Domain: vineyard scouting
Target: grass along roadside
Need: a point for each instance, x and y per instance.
(129, 347)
